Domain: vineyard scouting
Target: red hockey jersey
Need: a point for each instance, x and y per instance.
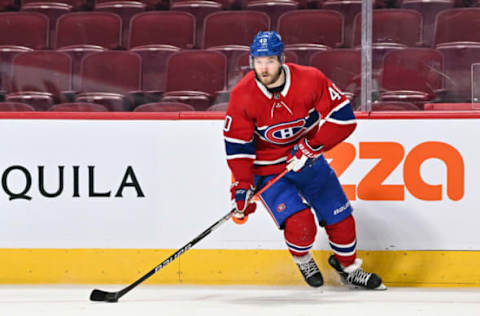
(261, 128)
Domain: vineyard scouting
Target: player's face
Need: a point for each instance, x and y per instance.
(267, 69)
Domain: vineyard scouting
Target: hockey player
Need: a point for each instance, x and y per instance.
(286, 114)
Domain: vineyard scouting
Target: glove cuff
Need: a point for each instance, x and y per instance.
(308, 150)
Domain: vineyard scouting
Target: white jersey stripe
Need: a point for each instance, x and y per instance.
(345, 254)
(237, 141)
(238, 156)
(343, 245)
(290, 244)
(269, 162)
(339, 122)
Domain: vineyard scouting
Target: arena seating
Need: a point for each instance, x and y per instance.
(195, 51)
(162, 27)
(26, 29)
(203, 74)
(399, 26)
(274, 8)
(47, 72)
(111, 78)
(429, 10)
(343, 67)
(296, 27)
(349, 9)
(78, 107)
(82, 28)
(164, 107)
(413, 75)
(457, 25)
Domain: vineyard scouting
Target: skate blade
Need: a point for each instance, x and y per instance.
(381, 287)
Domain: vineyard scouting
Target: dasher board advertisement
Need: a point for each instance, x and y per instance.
(155, 184)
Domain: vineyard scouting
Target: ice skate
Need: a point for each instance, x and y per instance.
(354, 276)
(309, 270)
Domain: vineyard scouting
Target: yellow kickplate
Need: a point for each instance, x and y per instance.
(212, 266)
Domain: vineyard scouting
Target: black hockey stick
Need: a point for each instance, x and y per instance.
(113, 297)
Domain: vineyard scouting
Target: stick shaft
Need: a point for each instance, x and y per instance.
(194, 241)
(177, 254)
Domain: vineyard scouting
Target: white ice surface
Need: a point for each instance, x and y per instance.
(238, 300)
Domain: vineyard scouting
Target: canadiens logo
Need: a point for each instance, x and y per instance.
(281, 207)
(285, 133)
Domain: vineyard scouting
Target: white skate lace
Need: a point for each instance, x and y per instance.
(309, 268)
(358, 277)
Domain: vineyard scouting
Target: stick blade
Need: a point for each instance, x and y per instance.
(103, 296)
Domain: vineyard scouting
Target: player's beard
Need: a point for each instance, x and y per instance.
(267, 79)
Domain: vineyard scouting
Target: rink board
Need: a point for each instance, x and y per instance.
(209, 266)
(105, 199)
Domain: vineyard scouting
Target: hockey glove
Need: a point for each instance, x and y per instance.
(303, 154)
(242, 192)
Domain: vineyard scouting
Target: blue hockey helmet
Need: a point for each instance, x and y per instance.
(267, 43)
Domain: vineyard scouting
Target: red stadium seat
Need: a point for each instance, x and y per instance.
(78, 107)
(452, 107)
(7, 52)
(342, 66)
(219, 107)
(15, 107)
(48, 72)
(77, 52)
(466, 3)
(429, 10)
(154, 67)
(50, 9)
(304, 51)
(82, 28)
(296, 27)
(225, 4)
(112, 101)
(77, 5)
(198, 72)
(162, 27)
(378, 4)
(126, 10)
(412, 75)
(109, 77)
(400, 26)
(199, 9)
(312, 4)
(242, 27)
(27, 29)
(349, 9)
(458, 59)
(232, 52)
(164, 107)
(152, 4)
(379, 50)
(457, 25)
(394, 106)
(199, 100)
(40, 101)
(274, 8)
(9, 5)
